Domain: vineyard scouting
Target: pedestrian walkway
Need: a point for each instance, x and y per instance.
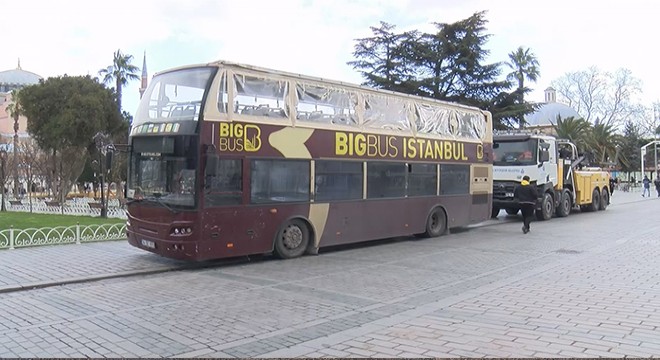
(25, 268)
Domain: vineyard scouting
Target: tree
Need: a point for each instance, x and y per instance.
(120, 73)
(382, 59)
(602, 141)
(449, 64)
(15, 111)
(32, 160)
(630, 147)
(524, 64)
(572, 129)
(64, 114)
(594, 94)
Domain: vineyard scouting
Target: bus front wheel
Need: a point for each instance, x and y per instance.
(292, 239)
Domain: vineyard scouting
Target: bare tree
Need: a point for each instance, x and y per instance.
(32, 160)
(609, 98)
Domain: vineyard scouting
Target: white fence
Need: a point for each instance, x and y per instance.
(76, 206)
(12, 238)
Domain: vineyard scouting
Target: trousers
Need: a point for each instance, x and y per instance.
(527, 213)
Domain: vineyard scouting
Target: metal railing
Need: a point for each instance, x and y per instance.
(13, 238)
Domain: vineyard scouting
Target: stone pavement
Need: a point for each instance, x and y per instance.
(26, 268)
(584, 286)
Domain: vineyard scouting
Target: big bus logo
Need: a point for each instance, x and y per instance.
(239, 137)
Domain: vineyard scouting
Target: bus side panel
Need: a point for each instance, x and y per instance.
(350, 222)
(246, 230)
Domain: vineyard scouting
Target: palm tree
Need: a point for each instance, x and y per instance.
(120, 72)
(15, 110)
(603, 140)
(572, 129)
(524, 64)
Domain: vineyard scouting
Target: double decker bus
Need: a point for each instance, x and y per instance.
(229, 160)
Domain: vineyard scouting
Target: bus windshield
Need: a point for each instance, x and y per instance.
(509, 153)
(162, 170)
(174, 96)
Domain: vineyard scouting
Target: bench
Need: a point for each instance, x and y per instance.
(15, 202)
(52, 203)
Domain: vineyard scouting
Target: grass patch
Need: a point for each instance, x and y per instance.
(24, 220)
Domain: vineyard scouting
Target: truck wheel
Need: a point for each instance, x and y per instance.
(547, 208)
(604, 199)
(512, 211)
(595, 201)
(564, 208)
(495, 212)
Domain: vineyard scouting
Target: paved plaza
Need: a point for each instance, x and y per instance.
(584, 286)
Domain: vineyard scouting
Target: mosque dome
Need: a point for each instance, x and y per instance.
(546, 114)
(17, 78)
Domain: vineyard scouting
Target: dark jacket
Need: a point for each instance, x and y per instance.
(526, 194)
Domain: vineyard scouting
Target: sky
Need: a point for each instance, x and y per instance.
(317, 37)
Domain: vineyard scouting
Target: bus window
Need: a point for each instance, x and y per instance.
(325, 105)
(223, 95)
(279, 181)
(256, 96)
(386, 180)
(385, 113)
(338, 180)
(454, 179)
(223, 184)
(422, 179)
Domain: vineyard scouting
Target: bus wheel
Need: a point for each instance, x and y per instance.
(292, 239)
(604, 199)
(436, 223)
(595, 201)
(564, 208)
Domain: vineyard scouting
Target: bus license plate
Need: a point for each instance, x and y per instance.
(148, 243)
(509, 194)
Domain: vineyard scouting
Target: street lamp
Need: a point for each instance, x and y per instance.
(3, 163)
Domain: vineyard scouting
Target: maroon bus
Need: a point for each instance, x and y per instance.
(229, 160)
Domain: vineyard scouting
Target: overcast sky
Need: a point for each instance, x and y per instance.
(316, 37)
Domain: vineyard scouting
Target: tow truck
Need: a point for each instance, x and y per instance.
(562, 176)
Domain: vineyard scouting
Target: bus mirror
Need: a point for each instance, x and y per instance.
(544, 156)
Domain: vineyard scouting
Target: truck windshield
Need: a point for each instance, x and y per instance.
(174, 96)
(163, 170)
(511, 153)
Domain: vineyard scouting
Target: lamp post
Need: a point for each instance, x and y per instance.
(3, 162)
(100, 140)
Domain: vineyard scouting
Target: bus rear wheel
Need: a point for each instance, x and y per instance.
(436, 223)
(292, 239)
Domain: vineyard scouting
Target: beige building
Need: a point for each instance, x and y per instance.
(12, 80)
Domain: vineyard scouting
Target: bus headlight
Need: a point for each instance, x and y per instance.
(181, 230)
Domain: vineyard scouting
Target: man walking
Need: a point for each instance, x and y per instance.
(527, 196)
(656, 182)
(647, 186)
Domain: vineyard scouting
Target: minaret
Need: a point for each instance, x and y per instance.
(19, 64)
(143, 84)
